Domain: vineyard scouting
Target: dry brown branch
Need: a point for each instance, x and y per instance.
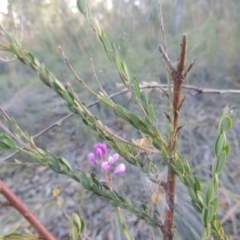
(189, 68)
(177, 77)
(75, 74)
(166, 59)
(25, 212)
(96, 78)
(162, 26)
(182, 55)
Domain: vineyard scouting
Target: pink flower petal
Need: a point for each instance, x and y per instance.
(121, 168)
(92, 158)
(105, 166)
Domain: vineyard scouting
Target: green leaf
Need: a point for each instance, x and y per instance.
(224, 113)
(41, 152)
(210, 192)
(164, 153)
(215, 205)
(58, 87)
(81, 4)
(210, 213)
(215, 182)
(84, 180)
(192, 194)
(82, 225)
(106, 100)
(196, 207)
(78, 222)
(4, 146)
(226, 123)
(214, 166)
(219, 145)
(8, 141)
(30, 58)
(187, 168)
(139, 215)
(13, 236)
(221, 162)
(98, 28)
(125, 71)
(201, 197)
(95, 180)
(197, 185)
(122, 199)
(54, 165)
(144, 207)
(115, 203)
(158, 145)
(107, 44)
(204, 234)
(204, 216)
(111, 195)
(9, 37)
(96, 189)
(105, 186)
(134, 119)
(14, 49)
(179, 166)
(190, 181)
(151, 113)
(66, 163)
(119, 65)
(75, 232)
(136, 88)
(227, 149)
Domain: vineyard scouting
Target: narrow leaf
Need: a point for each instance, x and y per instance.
(81, 4)
(210, 192)
(219, 145)
(221, 162)
(210, 213)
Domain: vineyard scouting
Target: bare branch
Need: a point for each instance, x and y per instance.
(189, 68)
(25, 212)
(182, 55)
(162, 26)
(166, 59)
(75, 74)
(96, 78)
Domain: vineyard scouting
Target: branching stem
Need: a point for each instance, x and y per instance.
(177, 77)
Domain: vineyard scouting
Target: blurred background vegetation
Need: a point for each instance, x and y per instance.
(213, 30)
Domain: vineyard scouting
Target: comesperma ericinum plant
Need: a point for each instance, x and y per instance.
(204, 201)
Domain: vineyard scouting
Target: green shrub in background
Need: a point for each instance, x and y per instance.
(204, 201)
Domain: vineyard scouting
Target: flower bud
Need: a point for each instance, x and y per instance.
(102, 147)
(113, 159)
(99, 152)
(105, 166)
(92, 158)
(121, 168)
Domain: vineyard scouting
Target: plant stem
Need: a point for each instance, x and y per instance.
(15, 202)
(178, 79)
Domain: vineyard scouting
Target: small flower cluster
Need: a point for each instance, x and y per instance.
(99, 158)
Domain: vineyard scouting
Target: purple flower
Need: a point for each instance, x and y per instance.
(105, 166)
(92, 158)
(113, 159)
(100, 149)
(99, 152)
(121, 168)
